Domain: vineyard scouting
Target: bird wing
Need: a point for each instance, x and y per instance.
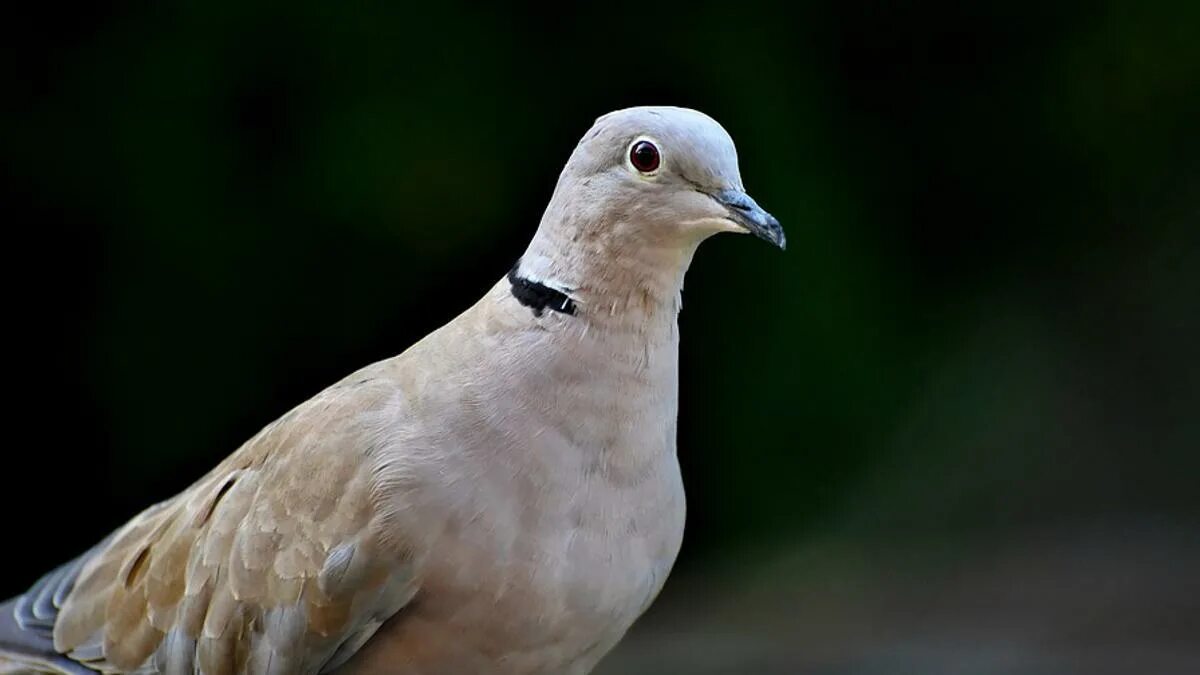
(274, 562)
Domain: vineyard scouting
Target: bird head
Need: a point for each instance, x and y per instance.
(661, 176)
(640, 192)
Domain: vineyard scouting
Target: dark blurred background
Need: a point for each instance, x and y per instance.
(953, 429)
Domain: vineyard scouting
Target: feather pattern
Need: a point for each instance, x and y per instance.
(257, 567)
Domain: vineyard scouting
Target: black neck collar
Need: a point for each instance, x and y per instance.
(538, 296)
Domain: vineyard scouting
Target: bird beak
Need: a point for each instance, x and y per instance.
(745, 212)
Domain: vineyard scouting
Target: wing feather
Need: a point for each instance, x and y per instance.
(272, 563)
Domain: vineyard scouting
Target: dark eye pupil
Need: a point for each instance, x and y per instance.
(644, 156)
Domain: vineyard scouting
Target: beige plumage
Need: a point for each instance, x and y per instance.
(503, 497)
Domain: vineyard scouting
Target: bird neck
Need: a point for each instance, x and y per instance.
(607, 281)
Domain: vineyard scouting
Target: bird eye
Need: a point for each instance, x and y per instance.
(644, 156)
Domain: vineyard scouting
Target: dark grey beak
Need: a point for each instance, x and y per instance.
(745, 212)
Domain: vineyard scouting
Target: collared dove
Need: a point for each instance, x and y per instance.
(503, 497)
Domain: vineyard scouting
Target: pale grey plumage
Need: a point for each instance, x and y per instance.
(503, 497)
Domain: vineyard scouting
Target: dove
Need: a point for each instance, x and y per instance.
(503, 497)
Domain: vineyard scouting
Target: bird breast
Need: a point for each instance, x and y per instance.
(575, 506)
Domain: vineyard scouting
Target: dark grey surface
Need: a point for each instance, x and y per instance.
(1063, 601)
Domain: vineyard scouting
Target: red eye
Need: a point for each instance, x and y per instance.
(644, 156)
